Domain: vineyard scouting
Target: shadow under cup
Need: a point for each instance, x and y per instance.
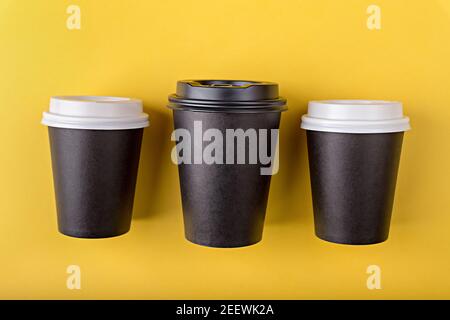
(354, 152)
(95, 160)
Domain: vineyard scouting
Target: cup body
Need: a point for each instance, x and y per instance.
(224, 201)
(354, 151)
(353, 179)
(94, 174)
(224, 205)
(95, 144)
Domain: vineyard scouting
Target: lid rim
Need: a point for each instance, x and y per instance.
(356, 126)
(234, 106)
(199, 102)
(91, 127)
(355, 131)
(61, 121)
(177, 107)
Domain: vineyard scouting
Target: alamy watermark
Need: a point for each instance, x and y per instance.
(236, 146)
(73, 21)
(73, 281)
(374, 279)
(374, 19)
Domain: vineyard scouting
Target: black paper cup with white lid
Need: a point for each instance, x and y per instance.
(354, 151)
(95, 144)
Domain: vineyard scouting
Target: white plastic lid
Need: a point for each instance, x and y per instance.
(355, 116)
(95, 112)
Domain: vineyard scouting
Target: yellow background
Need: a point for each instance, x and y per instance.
(315, 49)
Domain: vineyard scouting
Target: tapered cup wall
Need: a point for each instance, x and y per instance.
(224, 205)
(353, 178)
(94, 174)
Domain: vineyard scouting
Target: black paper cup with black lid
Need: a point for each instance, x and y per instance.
(95, 144)
(223, 129)
(354, 151)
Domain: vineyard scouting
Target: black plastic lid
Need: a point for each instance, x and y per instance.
(227, 96)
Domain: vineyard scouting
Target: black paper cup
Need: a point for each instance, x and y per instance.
(224, 202)
(95, 147)
(354, 152)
